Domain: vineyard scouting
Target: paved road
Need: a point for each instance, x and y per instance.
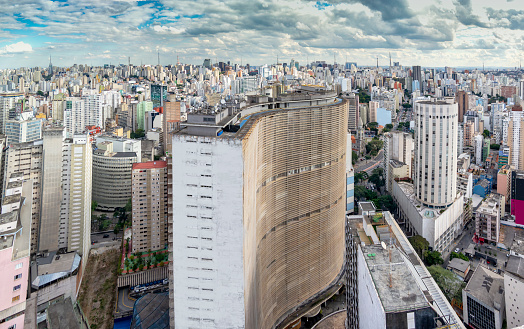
(462, 243)
(99, 237)
(369, 165)
(465, 240)
(124, 302)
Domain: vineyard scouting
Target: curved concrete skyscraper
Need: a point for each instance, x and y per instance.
(436, 136)
(258, 213)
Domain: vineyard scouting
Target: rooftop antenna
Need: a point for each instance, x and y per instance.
(158, 58)
(377, 62)
(277, 59)
(128, 61)
(390, 60)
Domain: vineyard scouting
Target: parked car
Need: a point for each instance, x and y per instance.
(457, 250)
(106, 236)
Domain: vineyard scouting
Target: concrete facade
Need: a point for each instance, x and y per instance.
(514, 288)
(77, 193)
(112, 178)
(439, 227)
(242, 204)
(14, 254)
(483, 299)
(207, 248)
(149, 206)
(26, 158)
(51, 189)
(436, 136)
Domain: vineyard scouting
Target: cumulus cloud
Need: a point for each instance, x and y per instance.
(257, 30)
(19, 47)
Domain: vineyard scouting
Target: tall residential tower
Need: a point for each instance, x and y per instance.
(259, 214)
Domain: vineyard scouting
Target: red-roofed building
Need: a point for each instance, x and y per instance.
(149, 206)
(149, 165)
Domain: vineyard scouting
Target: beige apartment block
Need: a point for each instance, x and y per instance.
(149, 200)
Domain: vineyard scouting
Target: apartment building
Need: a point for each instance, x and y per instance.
(149, 206)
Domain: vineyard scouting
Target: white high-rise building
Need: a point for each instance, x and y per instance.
(94, 114)
(515, 139)
(436, 136)
(7, 102)
(479, 139)
(75, 213)
(74, 116)
(514, 288)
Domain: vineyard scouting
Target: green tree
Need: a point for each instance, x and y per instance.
(386, 202)
(406, 105)
(361, 176)
(94, 204)
(129, 206)
(433, 258)
(139, 133)
(374, 146)
(494, 146)
(448, 282)
(377, 177)
(354, 157)
(363, 97)
(458, 255)
(486, 133)
(419, 243)
(389, 126)
(40, 93)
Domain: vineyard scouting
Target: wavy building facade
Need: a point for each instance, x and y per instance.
(258, 214)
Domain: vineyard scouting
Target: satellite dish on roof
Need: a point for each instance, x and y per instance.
(222, 101)
(383, 245)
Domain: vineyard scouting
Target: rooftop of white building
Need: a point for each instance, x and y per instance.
(487, 287)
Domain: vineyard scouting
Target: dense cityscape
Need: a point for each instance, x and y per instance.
(297, 192)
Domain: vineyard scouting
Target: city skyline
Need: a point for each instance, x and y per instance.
(450, 32)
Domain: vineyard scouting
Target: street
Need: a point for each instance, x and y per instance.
(465, 240)
(369, 165)
(98, 237)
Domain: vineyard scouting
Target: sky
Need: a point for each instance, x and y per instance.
(435, 33)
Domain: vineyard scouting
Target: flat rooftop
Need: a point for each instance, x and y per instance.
(516, 266)
(459, 264)
(518, 242)
(424, 211)
(487, 286)
(395, 284)
(367, 206)
(438, 102)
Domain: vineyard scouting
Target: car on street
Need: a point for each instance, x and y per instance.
(457, 250)
(106, 236)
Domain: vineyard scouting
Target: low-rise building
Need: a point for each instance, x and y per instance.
(483, 299)
(438, 226)
(459, 267)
